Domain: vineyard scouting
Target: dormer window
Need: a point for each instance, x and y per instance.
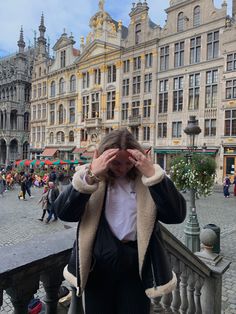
(196, 16)
(63, 59)
(137, 33)
(180, 22)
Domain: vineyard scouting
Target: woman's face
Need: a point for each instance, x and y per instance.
(121, 165)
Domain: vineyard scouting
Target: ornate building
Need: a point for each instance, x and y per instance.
(15, 79)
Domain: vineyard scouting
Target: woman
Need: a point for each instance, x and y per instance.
(119, 259)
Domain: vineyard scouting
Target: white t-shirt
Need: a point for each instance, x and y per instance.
(121, 209)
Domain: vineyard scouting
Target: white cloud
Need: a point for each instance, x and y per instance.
(73, 15)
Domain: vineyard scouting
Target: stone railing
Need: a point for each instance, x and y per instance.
(22, 267)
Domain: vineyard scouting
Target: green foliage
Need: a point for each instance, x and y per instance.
(196, 172)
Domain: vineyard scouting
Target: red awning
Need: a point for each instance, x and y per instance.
(49, 152)
(78, 150)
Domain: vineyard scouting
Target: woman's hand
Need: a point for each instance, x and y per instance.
(99, 165)
(142, 162)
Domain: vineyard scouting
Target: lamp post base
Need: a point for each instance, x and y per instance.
(192, 233)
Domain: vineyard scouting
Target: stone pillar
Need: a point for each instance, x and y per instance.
(7, 154)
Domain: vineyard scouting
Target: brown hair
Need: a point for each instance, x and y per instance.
(123, 140)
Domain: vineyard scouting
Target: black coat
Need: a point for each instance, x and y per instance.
(157, 200)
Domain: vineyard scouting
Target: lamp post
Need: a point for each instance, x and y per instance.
(192, 229)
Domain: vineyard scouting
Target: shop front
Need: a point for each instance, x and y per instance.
(230, 162)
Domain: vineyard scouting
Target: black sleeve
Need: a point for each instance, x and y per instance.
(171, 205)
(70, 204)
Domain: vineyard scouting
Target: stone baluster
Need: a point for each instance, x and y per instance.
(157, 307)
(198, 287)
(52, 280)
(22, 291)
(191, 290)
(176, 293)
(76, 306)
(166, 301)
(183, 291)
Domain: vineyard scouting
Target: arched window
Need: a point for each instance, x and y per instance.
(137, 33)
(1, 119)
(51, 138)
(180, 22)
(61, 114)
(25, 150)
(72, 83)
(61, 85)
(40, 71)
(196, 16)
(71, 136)
(13, 120)
(53, 89)
(60, 137)
(26, 121)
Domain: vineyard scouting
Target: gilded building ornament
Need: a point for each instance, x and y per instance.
(118, 64)
(103, 68)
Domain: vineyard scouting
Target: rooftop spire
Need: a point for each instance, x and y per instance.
(21, 43)
(42, 28)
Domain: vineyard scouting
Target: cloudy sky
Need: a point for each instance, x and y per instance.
(73, 15)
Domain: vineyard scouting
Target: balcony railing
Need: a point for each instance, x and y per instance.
(92, 122)
(22, 266)
(134, 121)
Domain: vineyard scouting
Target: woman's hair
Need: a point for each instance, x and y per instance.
(123, 140)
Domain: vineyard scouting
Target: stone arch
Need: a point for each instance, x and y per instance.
(13, 120)
(13, 150)
(25, 152)
(1, 119)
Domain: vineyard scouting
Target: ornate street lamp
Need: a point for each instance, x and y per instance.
(192, 229)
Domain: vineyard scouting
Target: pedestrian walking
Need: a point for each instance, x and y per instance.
(118, 201)
(22, 181)
(226, 185)
(52, 196)
(234, 182)
(44, 202)
(2, 185)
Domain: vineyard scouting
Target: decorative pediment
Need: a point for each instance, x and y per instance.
(63, 42)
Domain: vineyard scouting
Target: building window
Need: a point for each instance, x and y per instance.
(135, 132)
(162, 130)
(178, 94)
(111, 101)
(164, 58)
(85, 107)
(34, 112)
(179, 54)
(125, 87)
(126, 66)
(26, 121)
(210, 127)
(196, 16)
(111, 72)
(147, 108)
(61, 114)
(137, 63)
(211, 88)
(63, 59)
(95, 105)
(34, 92)
(124, 111)
(53, 89)
(52, 114)
(43, 134)
(61, 86)
(212, 45)
(195, 50)
(72, 111)
(33, 135)
(163, 96)
(72, 83)
(97, 76)
(146, 133)
(230, 122)
(194, 90)
(135, 109)
(231, 62)
(83, 135)
(85, 83)
(177, 129)
(138, 30)
(180, 22)
(39, 112)
(51, 138)
(71, 136)
(230, 89)
(40, 71)
(148, 83)
(148, 60)
(44, 88)
(39, 90)
(38, 134)
(136, 84)
(44, 111)
(60, 137)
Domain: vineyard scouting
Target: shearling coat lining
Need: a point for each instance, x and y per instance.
(79, 184)
(156, 178)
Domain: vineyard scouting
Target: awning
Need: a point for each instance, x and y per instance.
(184, 151)
(66, 148)
(78, 150)
(49, 152)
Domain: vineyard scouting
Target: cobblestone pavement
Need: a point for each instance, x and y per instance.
(18, 222)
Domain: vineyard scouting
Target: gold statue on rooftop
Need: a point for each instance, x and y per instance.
(101, 5)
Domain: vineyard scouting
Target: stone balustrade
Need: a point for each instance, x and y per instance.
(199, 283)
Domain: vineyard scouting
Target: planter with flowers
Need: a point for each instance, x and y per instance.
(194, 172)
